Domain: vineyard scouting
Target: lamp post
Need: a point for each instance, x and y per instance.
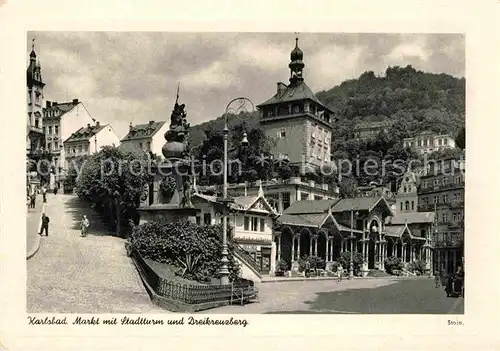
(351, 263)
(224, 272)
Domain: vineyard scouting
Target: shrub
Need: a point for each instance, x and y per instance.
(417, 267)
(392, 264)
(281, 266)
(357, 259)
(196, 250)
(315, 262)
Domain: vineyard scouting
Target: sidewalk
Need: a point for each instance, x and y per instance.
(71, 274)
(33, 227)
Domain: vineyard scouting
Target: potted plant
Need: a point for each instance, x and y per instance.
(281, 268)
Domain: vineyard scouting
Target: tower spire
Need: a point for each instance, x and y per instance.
(296, 65)
(177, 96)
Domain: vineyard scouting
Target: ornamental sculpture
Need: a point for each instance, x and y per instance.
(177, 145)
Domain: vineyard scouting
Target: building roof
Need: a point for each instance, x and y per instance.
(372, 124)
(141, 131)
(294, 92)
(85, 133)
(61, 108)
(313, 220)
(242, 203)
(411, 217)
(358, 203)
(310, 206)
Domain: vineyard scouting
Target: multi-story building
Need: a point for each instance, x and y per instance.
(34, 133)
(407, 194)
(366, 130)
(297, 120)
(442, 190)
(88, 140)
(145, 137)
(427, 142)
(60, 121)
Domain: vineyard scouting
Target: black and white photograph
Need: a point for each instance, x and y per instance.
(245, 173)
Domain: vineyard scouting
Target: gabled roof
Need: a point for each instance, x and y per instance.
(61, 108)
(397, 231)
(84, 133)
(359, 204)
(241, 203)
(141, 131)
(310, 206)
(313, 220)
(411, 217)
(294, 92)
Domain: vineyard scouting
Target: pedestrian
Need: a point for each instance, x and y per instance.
(85, 226)
(45, 225)
(33, 200)
(437, 280)
(307, 268)
(339, 273)
(44, 194)
(28, 202)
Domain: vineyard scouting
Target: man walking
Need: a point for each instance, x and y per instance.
(45, 225)
(85, 226)
(44, 193)
(339, 273)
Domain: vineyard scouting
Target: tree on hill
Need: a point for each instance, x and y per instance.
(460, 139)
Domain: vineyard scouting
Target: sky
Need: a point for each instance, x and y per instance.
(124, 77)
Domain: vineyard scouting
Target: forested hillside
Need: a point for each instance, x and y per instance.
(414, 100)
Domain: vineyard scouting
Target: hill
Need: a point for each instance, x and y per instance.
(414, 100)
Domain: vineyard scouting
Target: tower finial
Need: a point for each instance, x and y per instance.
(177, 97)
(33, 44)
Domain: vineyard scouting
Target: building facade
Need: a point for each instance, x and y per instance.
(88, 140)
(427, 142)
(145, 137)
(442, 190)
(367, 130)
(407, 194)
(300, 124)
(34, 124)
(61, 120)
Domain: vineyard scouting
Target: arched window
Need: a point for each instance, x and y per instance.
(404, 189)
(412, 205)
(401, 206)
(407, 206)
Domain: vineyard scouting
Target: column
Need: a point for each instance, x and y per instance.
(293, 247)
(316, 245)
(272, 267)
(382, 261)
(278, 249)
(298, 247)
(403, 258)
(311, 239)
(446, 260)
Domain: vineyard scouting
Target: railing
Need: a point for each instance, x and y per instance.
(245, 256)
(450, 204)
(243, 290)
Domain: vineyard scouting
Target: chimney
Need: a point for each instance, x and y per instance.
(75, 101)
(151, 123)
(281, 88)
(88, 125)
(130, 127)
(47, 104)
(54, 103)
(98, 124)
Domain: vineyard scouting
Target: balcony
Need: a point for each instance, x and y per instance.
(441, 187)
(33, 129)
(449, 243)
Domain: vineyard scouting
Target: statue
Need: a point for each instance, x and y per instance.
(177, 136)
(187, 194)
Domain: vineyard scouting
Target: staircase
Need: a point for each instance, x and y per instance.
(250, 267)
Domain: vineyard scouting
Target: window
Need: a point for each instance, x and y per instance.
(401, 206)
(255, 222)
(56, 130)
(73, 150)
(304, 196)
(44, 130)
(445, 181)
(457, 197)
(313, 133)
(446, 141)
(207, 219)
(413, 205)
(148, 145)
(445, 199)
(140, 145)
(404, 189)
(426, 200)
(262, 224)
(49, 146)
(425, 184)
(56, 145)
(444, 217)
(286, 200)
(456, 217)
(439, 141)
(198, 220)
(246, 224)
(436, 199)
(79, 149)
(407, 206)
(283, 133)
(85, 148)
(50, 130)
(296, 109)
(457, 180)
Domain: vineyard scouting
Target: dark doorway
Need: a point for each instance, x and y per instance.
(371, 254)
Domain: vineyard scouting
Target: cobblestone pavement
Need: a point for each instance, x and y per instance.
(32, 223)
(296, 295)
(71, 274)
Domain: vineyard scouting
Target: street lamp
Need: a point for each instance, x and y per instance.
(242, 102)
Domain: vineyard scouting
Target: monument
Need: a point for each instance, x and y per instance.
(168, 195)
